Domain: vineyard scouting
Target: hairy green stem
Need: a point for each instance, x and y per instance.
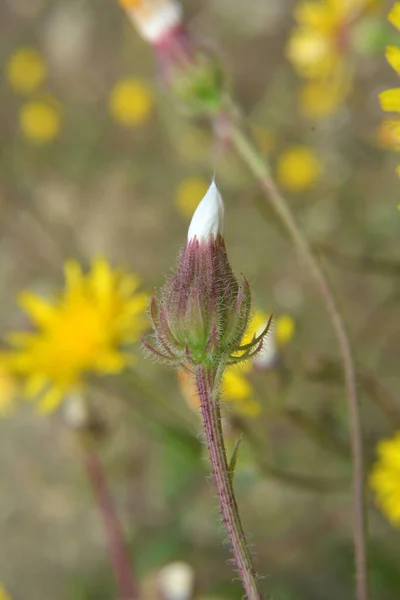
(207, 385)
(258, 166)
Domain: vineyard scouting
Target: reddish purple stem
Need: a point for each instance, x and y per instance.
(205, 382)
(119, 557)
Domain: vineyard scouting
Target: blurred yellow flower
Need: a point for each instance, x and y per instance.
(8, 389)
(298, 168)
(319, 50)
(388, 135)
(3, 594)
(238, 391)
(236, 388)
(284, 330)
(40, 121)
(25, 70)
(130, 3)
(319, 99)
(83, 330)
(131, 102)
(384, 479)
(394, 15)
(189, 193)
(390, 99)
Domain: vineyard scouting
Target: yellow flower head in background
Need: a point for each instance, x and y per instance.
(388, 135)
(318, 49)
(25, 70)
(385, 478)
(236, 388)
(390, 99)
(189, 193)
(238, 391)
(131, 102)
(298, 168)
(84, 330)
(40, 121)
(319, 99)
(284, 330)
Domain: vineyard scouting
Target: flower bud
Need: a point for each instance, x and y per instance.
(154, 19)
(203, 310)
(191, 72)
(208, 218)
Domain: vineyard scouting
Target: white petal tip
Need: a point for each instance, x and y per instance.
(208, 218)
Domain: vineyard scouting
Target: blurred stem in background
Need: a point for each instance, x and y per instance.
(119, 557)
(85, 430)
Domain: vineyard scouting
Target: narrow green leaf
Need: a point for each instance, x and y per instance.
(232, 464)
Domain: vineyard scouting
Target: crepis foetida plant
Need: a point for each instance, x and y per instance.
(203, 311)
(199, 320)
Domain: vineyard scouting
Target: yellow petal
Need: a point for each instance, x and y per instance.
(40, 310)
(127, 285)
(388, 135)
(316, 15)
(298, 168)
(19, 339)
(51, 400)
(73, 277)
(111, 362)
(235, 386)
(131, 102)
(394, 15)
(311, 53)
(284, 329)
(256, 326)
(34, 385)
(390, 100)
(40, 121)
(138, 304)
(26, 70)
(393, 57)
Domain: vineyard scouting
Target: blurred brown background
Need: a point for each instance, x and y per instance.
(99, 187)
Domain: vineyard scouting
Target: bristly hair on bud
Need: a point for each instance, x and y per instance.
(203, 311)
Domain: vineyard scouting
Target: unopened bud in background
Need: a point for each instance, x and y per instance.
(154, 19)
(191, 72)
(176, 581)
